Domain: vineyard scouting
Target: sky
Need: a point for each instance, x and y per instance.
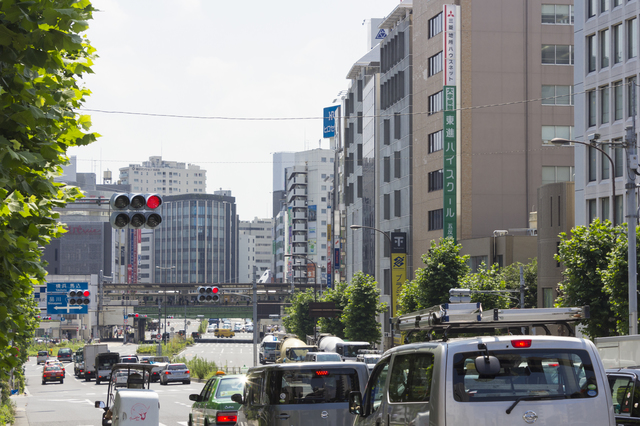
(158, 62)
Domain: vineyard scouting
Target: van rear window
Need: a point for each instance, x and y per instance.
(525, 373)
(312, 386)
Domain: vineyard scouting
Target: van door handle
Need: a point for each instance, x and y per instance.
(284, 416)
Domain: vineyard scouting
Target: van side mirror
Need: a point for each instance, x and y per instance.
(236, 397)
(195, 397)
(355, 403)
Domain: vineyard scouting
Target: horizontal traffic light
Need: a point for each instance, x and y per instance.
(208, 294)
(79, 297)
(135, 211)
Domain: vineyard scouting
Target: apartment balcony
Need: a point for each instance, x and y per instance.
(299, 203)
(298, 179)
(302, 250)
(300, 275)
(296, 192)
(300, 226)
(300, 215)
(300, 238)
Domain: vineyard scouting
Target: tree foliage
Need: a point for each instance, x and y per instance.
(298, 321)
(338, 296)
(511, 277)
(444, 267)
(585, 255)
(42, 56)
(359, 316)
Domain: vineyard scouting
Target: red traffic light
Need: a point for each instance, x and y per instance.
(214, 290)
(86, 293)
(136, 316)
(153, 201)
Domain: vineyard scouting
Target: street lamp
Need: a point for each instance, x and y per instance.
(315, 273)
(388, 237)
(565, 142)
(165, 268)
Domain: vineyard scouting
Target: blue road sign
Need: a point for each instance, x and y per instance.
(58, 300)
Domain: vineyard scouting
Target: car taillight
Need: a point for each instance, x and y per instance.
(186, 372)
(223, 417)
(521, 343)
(166, 372)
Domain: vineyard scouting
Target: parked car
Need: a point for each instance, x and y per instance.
(52, 373)
(213, 405)
(65, 354)
(248, 328)
(212, 328)
(175, 373)
(238, 327)
(42, 357)
(224, 332)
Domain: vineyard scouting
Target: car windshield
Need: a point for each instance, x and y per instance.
(43, 353)
(270, 345)
(178, 367)
(228, 387)
(351, 350)
(52, 368)
(312, 386)
(328, 357)
(525, 373)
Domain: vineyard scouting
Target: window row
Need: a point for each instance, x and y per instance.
(557, 54)
(600, 6)
(555, 174)
(552, 132)
(392, 90)
(392, 52)
(605, 211)
(397, 128)
(435, 64)
(608, 103)
(397, 205)
(599, 165)
(557, 95)
(557, 14)
(397, 167)
(610, 46)
(435, 141)
(435, 103)
(435, 25)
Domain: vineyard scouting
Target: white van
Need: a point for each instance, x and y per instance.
(490, 380)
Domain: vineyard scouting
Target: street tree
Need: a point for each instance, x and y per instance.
(511, 276)
(585, 255)
(490, 279)
(298, 321)
(616, 281)
(337, 295)
(42, 58)
(444, 267)
(359, 316)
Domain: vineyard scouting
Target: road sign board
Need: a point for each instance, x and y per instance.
(58, 301)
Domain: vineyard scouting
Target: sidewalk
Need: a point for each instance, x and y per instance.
(21, 413)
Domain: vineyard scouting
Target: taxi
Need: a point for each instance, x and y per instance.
(52, 373)
(214, 405)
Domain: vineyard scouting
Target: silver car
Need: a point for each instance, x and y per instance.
(175, 373)
(309, 393)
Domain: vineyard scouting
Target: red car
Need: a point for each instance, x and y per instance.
(52, 373)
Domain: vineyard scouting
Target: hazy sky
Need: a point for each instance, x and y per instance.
(212, 58)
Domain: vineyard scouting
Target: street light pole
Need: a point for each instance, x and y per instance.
(565, 142)
(388, 237)
(166, 299)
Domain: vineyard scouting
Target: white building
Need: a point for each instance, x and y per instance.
(164, 177)
(255, 248)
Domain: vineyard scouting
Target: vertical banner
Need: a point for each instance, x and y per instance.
(329, 122)
(450, 122)
(398, 266)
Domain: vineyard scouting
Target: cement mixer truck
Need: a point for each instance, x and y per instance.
(292, 349)
(348, 351)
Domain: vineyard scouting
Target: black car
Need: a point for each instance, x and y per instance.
(65, 354)
(195, 335)
(625, 391)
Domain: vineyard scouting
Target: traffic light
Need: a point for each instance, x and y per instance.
(208, 294)
(135, 210)
(79, 297)
(133, 315)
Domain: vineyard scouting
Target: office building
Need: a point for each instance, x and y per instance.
(164, 177)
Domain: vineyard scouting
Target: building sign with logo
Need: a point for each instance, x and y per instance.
(329, 121)
(398, 266)
(450, 16)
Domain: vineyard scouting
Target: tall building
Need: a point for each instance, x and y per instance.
(490, 90)
(164, 177)
(281, 160)
(308, 213)
(606, 76)
(255, 254)
(198, 239)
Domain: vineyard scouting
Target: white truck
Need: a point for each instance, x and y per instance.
(89, 356)
(500, 379)
(348, 351)
(619, 351)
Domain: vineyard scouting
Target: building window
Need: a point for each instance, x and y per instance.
(557, 54)
(618, 159)
(617, 100)
(604, 104)
(435, 141)
(632, 38)
(386, 167)
(604, 207)
(551, 132)
(359, 154)
(591, 8)
(605, 165)
(604, 48)
(387, 206)
(617, 43)
(436, 219)
(593, 168)
(396, 125)
(557, 95)
(359, 125)
(397, 158)
(435, 103)
(435, 64)
(591, 53)
(554, 174)
(435, 25)
(387, 131)
(557, 14)
(619, 205)
(436, 181)
(592, 210)
(631, 91)
(359, 187)
(397, 203)
(592, 107)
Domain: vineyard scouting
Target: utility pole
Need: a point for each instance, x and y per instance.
(255, 318)
(632, 220)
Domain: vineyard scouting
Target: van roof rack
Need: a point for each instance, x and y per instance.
(470, 318)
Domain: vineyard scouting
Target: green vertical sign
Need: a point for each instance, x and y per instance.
(449, 170)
